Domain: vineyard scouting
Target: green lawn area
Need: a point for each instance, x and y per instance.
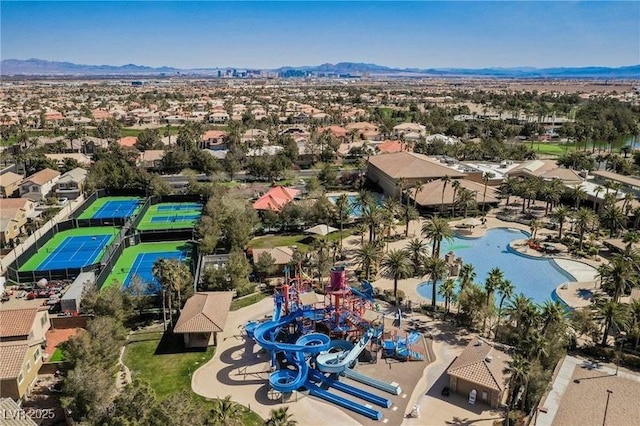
(129, 131)
(167, 368)
(56, 356)
(552, 148)
(302, 241)
(246, 301)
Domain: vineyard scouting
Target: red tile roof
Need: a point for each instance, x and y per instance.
(213, 134)
(42, 177)
(481, 364)
(12, 356)
(204, 312)
(128, 141)
(17, 322)
(276, 198)
(392, 146)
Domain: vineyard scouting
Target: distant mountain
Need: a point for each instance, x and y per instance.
(49, 68)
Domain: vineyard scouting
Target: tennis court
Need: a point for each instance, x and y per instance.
(112, 207)
(171, 216)
(74, 248)
(138, 261)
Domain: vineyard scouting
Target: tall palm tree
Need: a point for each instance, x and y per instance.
(447, 290)
(397, 265)
(410, 213)
(534, 226)
(613, 218)
(597, 192)
(518, 371)
(560, 215)
(609, 313)
(417, 189)
(367, 257)
(490, 285)
(577, 194)
(445, 181)
(343, 210)
(226, 412)
(584, 220)
(456, 187)
(436, 269)
(417, 250)
(553, 313)
(280, 417)
(509, 187)
(506, 289)
(437, 229)
(633, 320)
(535, 345)
(522, 311)
(619, 274)
(486, 177)
(466, 276)
(466, 199)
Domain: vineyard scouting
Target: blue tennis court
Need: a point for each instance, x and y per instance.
(75, 252)
(181, 206)
(176, 218)
(116, 209)
(143, 266)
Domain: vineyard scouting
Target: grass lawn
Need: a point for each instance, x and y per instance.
(164, 364)
(552, 148)
(246, 301)
(302, 241)
(56, 356)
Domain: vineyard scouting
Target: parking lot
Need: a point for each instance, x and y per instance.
(33, 295)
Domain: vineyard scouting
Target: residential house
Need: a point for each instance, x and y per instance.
(22, 336)
(71, 184)
(128, 141)
(14, 213)
(219, 117)
(478, 373)
(406, 169)
(9, 184)
(252, 135)
(404, 128)
(38, 186)
(364, 130)
(337, 132)
(213, 139)
(82, 159)
(203, 317)
(151, 159)
(276, 198)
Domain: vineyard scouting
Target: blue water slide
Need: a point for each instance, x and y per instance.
(362, 295)
(350, 390)
(392, 388)
(338, 362)
(343, 402)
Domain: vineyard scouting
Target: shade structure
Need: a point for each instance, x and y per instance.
(321, 229)
(472, 221)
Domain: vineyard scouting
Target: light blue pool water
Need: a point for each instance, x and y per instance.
(536, 278)
(356, 210)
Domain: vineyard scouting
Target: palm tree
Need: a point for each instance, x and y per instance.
(466, 275)
(367, 257)
(506, 289)
(613, 218)
(445, 179)
(522, 311)
(631, 238)
(417, 250)
(486, 177)
(456, 187)
(619, 274)
(560, 216)
(584, 220)
(553, 313)
(410, 213)
(436, 269)
(577, 194)
(509, 187)
(226, 412)
(437, 229)
(280, 417)
(518, 371)
(466, 198)
(343, 210)
(596, 192)
(490, 285)
(534, 226)
(397, 265)
(610, 313)
(535, 345)
(418, 188)
(633, 322)
(447, 290)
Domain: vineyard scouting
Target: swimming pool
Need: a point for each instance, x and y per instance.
(536, 278)
(356, 210)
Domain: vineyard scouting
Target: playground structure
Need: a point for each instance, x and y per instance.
(313, 343)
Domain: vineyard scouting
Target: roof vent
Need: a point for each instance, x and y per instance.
(478, 343)
(488, 358)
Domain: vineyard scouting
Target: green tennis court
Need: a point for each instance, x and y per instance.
(112, 207)
(171, 216)
(139, 260)
(73, 248)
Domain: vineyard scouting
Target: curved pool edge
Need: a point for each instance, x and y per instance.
(508, 228)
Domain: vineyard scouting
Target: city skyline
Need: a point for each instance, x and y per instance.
(269, 35)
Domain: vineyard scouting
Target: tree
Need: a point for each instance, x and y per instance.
(409, 213)
(417, 251)
(534, 226)
(456, 187)
(437, 229)
(506, 289)
(445, 180)
(225, 412)
(87, 391)
(111, 302)
(447, 290)
(509, 187)
(280, 417)
(613, 218)
(173, 276)
(486, 177)
(137, 402)
(148, 139)
(518, 371)
(343, 211)
(633, 322)
(265, 266)
(609, 313)
(495, 277)
(397, 265)
(466, 199)
(559, 216)
(436, 269)
(584, 220)
(577, 194)
(617, 276)
(367, 257)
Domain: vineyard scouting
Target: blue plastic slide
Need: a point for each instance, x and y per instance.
(392, 388)
(338, 362)
(350, 390)
(343, 402)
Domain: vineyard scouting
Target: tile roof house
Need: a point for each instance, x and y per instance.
(152, 158)
(276, 198)
(38, 186)
(128, 141)
(478, 373)
(71, 183)
(386, 170)
(22, 334)
(387, 147)
(430, 196)
(203, 316)
(9, 183)
(14, 213)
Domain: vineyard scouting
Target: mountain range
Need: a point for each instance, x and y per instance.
(34, 67)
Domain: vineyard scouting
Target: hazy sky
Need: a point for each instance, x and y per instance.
(271, 34)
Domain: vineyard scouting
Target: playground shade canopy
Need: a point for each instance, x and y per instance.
(321, 229)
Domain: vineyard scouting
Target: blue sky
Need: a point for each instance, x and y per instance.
(271, 34)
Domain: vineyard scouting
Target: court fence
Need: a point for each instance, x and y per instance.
(113, 221)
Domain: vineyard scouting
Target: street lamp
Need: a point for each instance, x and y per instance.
(606, 407)
(622, 335)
